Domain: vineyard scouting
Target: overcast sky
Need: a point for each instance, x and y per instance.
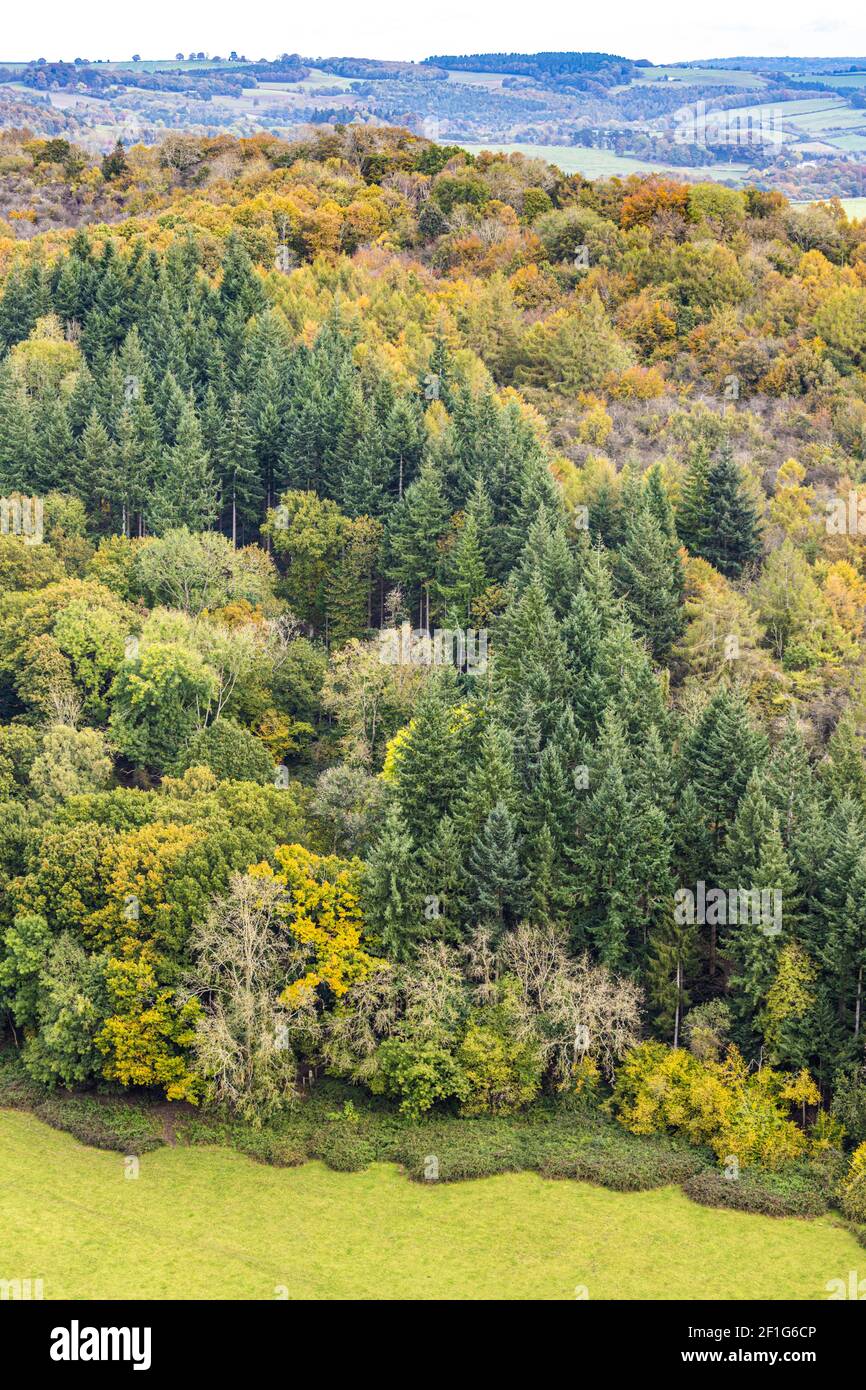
(662, 30)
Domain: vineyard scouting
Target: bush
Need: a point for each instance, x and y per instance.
(344, 1148)
(735, 1112)
(502, 1071)
(463, 1149)
(418, 1072)
(635, 1166)
(121, 1126)
(770, 1194)
(854, 1187)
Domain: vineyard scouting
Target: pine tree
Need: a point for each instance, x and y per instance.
(691, 515)
(53, 445)
(441, 875)
(531, 659)
(97, 471)
(692, 851)
(730, 540)
(788, 781)
(719, 757)
(547, 894)
(844, 771)
(240, 484)
(671, 967)
(169, 405)
(428, 769)
(756, 937)
(490, 783)
(650, 578)
(241, 289)
(837, 933)
(658, 503)
(621, 859)
(462, 576)
(416, 526)
(742, 848)
(18, 445)
(391, 894)
(493, 872)
(185, 494)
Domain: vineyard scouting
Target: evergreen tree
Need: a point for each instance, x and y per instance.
(391, 895)
(416, 526)
(428, 769)
(728, 536)
(240, 485)
(462, 576)
(672, 965)
(493, 872)
(98, 463)
(691, 516)
(440, 872)
(650, 578)
(185, 493)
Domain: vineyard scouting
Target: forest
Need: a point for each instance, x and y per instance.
(431, 647)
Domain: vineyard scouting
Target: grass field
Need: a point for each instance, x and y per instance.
(210, 1223)
(600, 164)
(854, 141)
(700, 77)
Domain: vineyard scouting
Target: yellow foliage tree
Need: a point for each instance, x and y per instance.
(322, 911)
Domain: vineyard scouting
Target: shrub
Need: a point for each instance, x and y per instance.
(637, 1166)
(418, 1072)
(770, 1194)
(738, 1113)
(854, 1187)
(119, 1125)
(502, 1070)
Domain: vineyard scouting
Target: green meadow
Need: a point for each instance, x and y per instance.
(209, 1223)
(602, 164)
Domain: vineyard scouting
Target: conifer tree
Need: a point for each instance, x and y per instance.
(493, 872)
(429, 766)
(417, 524)
(462, 576)
(240, 485)
(441, 876)
(672, 965)
(691, 515)
(185, 493)
(730, 537)
(97, 471)
(649, 576)
(844, 772)
(391, 895)
(53, 445)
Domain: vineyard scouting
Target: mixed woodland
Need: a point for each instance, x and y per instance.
(290, 398)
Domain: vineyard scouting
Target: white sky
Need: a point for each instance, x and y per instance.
(663, 30)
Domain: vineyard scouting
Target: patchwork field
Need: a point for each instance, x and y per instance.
(705, 77)
(210, 1223)
(599, 164)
